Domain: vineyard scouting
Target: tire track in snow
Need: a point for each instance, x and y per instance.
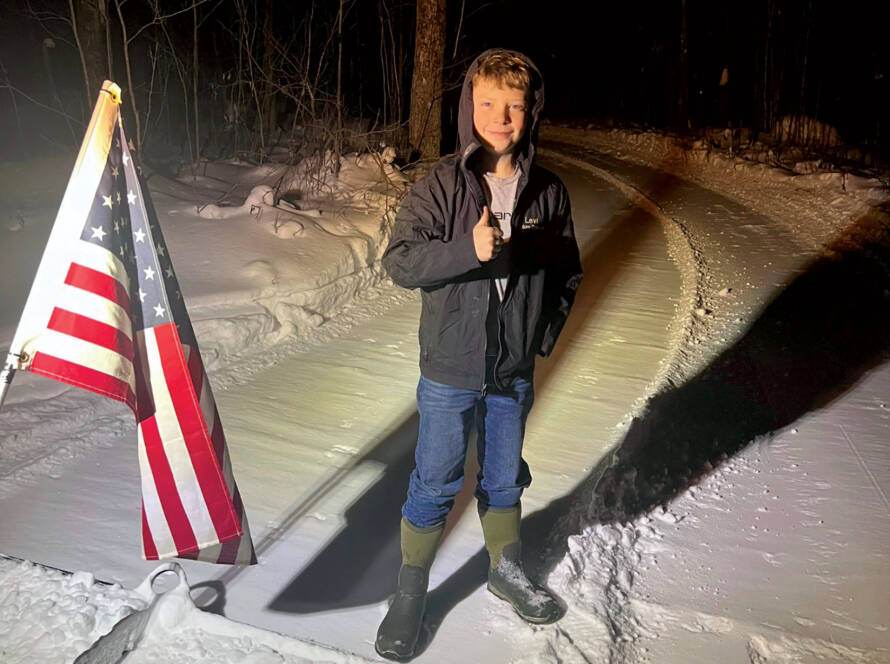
(768, 273)
(45, 436)
(614, 546)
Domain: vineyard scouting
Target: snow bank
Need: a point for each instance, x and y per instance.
(48, 617)
(332, 228)
(180, 632)
(51, 617)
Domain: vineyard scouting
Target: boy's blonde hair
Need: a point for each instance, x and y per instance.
(506, 70)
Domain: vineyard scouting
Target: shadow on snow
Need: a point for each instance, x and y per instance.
(808, 346)
(359, 566)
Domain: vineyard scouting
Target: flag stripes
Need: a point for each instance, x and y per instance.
(90, 330)
(89, 344)
(175, 448)
(148, 546)
(74, 373)
(207, 467)
(101, 316)
(98, 283)
(166, 488)
(234, 551)
(156, 535)
(112, 369)
(96, 307)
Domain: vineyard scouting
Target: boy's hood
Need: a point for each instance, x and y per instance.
(467, 143)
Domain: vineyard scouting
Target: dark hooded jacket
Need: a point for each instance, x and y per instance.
(432, 249)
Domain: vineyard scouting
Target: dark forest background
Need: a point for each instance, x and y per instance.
(221, 78)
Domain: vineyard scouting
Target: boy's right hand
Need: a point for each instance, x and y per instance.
(487, 239)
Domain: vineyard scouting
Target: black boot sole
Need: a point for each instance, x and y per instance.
(535, 620)
(393, 655)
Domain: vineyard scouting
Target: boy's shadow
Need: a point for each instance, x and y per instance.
(359, 565)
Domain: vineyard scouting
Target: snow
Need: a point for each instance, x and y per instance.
(715, 282)
(49, 616)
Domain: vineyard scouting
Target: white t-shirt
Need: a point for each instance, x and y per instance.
(503, 201)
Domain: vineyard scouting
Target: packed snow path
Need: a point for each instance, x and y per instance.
(324, 447)
(771, 558)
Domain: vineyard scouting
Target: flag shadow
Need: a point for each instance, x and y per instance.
(360, 565)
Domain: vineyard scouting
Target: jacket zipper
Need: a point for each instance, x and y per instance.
(507, 291)
(474, 182)
(485, 351)
(476, 188)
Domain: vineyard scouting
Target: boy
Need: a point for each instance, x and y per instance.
(487, 236)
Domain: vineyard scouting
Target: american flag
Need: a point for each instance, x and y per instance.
(106, 313)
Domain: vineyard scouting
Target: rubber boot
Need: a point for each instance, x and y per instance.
(506, 578)
(400, 629)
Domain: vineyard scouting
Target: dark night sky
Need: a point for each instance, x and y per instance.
(620, 59)
(613, 62)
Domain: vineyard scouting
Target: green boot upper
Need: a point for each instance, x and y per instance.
(399, 632)
(419, 544)
(506, 577)
(500, 527)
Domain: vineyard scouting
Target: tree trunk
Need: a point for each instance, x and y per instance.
(130, 89)
(683, 65)
(270, 119)
(425, 119)
(90, 18)
(770, 93)
(338, 136)
(195, 81)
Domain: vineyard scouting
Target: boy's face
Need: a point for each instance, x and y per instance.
(499, 115)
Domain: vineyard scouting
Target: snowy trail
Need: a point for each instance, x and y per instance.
(745, 522)
(328, 537)
(780, 338)
(330, 588)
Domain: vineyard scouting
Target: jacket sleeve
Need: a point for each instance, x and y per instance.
(418, 255)
(564, 277)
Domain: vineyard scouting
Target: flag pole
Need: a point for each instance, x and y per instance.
(7, 374)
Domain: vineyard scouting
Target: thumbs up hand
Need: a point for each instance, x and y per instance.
(487, 239)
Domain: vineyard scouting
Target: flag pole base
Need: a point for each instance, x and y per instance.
(6, 375)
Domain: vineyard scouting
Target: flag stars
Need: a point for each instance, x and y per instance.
(131, 197)
(139, 235)
(159, 311)
(126, 159)
(115, 173)
(106, 201)
(118, 197)
(142, 295)
(169, 272)
(161, 250)
(98, 233)
(117, 226)
(149, 273)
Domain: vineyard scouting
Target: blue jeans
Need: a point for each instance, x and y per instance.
(447, 416)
